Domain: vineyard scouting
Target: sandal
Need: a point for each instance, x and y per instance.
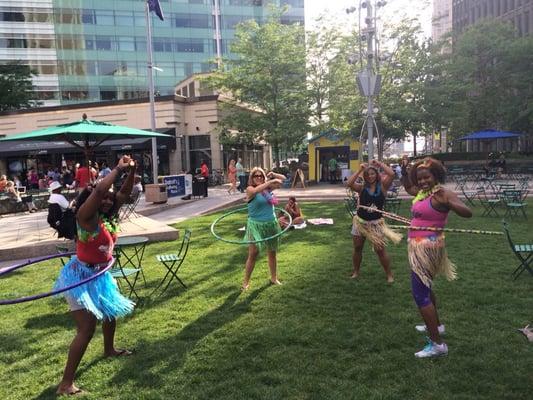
(120, 353)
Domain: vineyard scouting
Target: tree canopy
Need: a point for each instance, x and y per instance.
(16, 88)
(267, 76)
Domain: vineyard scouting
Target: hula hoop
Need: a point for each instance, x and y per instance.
(248, 241)
(54, 292)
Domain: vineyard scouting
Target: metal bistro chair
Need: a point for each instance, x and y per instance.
(524, 253)
(173, 262)
(128, 209)
(489, 204)
(514, 201)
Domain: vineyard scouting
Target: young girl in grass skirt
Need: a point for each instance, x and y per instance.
(99, 299)
(371, 225)
(426, 249)
(262, 222)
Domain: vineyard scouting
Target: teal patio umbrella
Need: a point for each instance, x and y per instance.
(85, 134)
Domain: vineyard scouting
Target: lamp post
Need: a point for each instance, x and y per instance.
(368, 82)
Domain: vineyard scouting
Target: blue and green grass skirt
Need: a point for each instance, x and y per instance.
(260, 230)
(100, 296)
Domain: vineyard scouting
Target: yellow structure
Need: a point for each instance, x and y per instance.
(327, 145)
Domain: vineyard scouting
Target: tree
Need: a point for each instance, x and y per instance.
(268, 77)
(472, 88)
(16, 88)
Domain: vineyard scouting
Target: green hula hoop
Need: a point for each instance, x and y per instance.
(217, 236)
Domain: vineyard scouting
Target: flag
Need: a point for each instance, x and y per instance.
(153, 5)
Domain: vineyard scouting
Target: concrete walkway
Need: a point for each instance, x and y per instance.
(27, 235)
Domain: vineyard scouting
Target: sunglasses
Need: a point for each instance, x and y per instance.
(257, 176)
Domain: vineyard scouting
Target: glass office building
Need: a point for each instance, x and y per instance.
(95, 50)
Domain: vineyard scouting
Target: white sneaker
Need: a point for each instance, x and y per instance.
(423, 329)
(432, 349)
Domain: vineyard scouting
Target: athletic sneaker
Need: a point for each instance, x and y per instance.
(423, 328)
(432, 349)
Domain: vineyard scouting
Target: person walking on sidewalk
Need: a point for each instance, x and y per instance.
(232, 176)
(241, 175)
(332, 165)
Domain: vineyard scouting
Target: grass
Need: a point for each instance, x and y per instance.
(319, 336)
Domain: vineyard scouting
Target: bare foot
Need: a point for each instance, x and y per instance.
(354, 275)
(276, 282)
(68, 390)
(245, 287)
(390, 279)
(119, 353)
(528, 332)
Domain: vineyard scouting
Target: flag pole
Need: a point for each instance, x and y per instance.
(151, 89)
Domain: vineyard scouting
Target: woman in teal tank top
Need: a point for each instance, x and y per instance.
(262, 222)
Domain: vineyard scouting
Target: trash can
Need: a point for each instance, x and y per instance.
(155, 193)
(199, 186)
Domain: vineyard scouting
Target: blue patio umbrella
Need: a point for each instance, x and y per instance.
(490, 134)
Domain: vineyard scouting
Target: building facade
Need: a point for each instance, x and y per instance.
(191, 122)
(469, 12)
(441, 19)
(95, 50)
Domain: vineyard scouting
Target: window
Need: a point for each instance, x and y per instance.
(108, 94)
(12, 16)
(526, 22)
(124, 18)
(104, 18)
(89, 44)
(87, 17)
(293, 3)
(103, 43)
(191, 21)
(139, 18)
(107, 67)
(140, 44)
(189, 45)
(126, 43)
(162, 45)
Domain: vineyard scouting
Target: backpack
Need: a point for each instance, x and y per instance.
(64, 222)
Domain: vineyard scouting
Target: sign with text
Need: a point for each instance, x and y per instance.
(178, 185)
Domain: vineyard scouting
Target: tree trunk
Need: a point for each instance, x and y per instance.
(414, 144)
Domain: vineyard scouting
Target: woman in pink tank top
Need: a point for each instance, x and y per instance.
(426, 249)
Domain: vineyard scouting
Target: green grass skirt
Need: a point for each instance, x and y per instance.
(259, 230)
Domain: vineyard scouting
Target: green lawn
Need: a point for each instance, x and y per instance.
(319, 336)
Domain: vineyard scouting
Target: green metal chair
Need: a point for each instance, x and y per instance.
(524, 253)
(488, 203)
(172, 262)
(514, 202)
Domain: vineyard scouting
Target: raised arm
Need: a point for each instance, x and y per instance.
(388, 174)
(273, 175)
(251, 191)
(351, 182)
(406, 182)
(88, 212)
(125, 190)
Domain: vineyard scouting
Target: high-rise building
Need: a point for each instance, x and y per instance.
(95, 50)
(471, 12)
(441, 20)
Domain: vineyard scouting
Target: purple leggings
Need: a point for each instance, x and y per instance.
(421, 293)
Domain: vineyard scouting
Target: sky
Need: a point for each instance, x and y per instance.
(393, 10)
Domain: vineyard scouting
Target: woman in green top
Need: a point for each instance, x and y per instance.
(262, 222)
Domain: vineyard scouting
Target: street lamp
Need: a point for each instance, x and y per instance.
(368, 82)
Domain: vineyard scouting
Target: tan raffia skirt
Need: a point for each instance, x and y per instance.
(428, 258)
(376, 231)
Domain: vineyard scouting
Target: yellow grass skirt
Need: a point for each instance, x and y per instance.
(428, 258)
(376, 231)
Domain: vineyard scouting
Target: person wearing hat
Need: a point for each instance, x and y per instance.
(56, 197)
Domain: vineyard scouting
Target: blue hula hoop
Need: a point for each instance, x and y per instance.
(218, 237)
(54, 292)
